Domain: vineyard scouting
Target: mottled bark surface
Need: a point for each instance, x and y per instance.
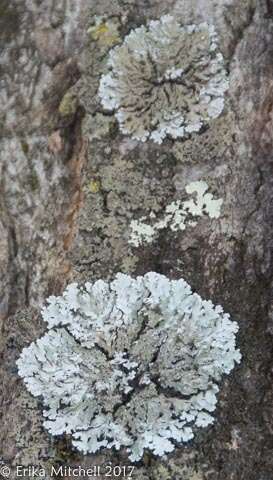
(71, 183)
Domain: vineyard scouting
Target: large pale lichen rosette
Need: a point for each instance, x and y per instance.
(133, 363)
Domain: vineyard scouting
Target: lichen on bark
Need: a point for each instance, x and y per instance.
(55, 233)
(134, 363)
(165, 80)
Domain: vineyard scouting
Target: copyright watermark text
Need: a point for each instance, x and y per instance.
(111, 471)
(5, 471)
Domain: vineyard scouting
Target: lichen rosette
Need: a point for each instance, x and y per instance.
(134, 363)
(165, 80)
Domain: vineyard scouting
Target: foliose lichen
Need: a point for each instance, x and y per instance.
(133, 363)
(178, 214)
(165, 80)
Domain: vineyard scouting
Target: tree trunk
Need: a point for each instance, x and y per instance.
(71, 184)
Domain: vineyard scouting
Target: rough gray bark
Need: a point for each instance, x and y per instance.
(71, 183)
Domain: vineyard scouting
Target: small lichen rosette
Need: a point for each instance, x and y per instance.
(134, 363)
(165, 80)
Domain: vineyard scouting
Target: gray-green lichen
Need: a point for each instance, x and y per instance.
(165, 80)
(178, 215)
(134, 363)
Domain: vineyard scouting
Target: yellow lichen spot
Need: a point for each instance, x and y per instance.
(99, 31)
(105, 33)
(94, 186)
(68, 105)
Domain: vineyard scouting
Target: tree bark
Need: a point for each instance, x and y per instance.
(71, 183)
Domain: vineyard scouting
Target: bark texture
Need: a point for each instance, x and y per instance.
(71, 183)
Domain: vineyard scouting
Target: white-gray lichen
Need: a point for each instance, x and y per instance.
(165, 80)
(177, 215)
(134, 363)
